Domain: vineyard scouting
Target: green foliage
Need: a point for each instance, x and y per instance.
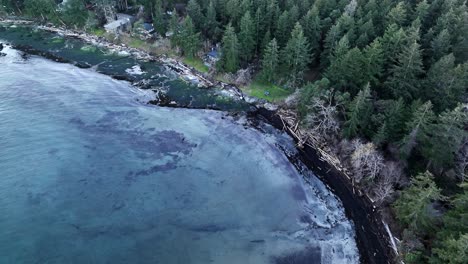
(312, 29)
(42, 9)
(211, 24)
(189, 39)
(417, 128)
(195, 12)
(447, 137)
(74, 13)
(451, 246)
(397, 15)
(158, 20)
(404, 81)
(452, 251)
(391, 123)
(413, 208)
(446, 83)
(296, 55)
(229, 61)
(358, 114)
(247, 37)
(270, 62)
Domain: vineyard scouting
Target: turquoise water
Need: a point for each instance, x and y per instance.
(89, 173)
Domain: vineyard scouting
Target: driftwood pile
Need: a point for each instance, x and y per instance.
(290, 122)
(304, 137)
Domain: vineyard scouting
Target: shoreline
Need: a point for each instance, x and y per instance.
(370, 240)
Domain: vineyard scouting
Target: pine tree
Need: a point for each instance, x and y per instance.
(229, 61)
(447, 137)
(312, 29)
(158, 19)
(358, 113)
(412, 208)
(211, 24)
(270, 62)
(452, 240)
(234, 11)
(393, 42)
(195, 12)
(422, 10)
(189, 38)
(366, 33)
(392, 123)
(374, 62)
(441, 45)
(447, 83)
(404, 81)
(397, 15)
(266, 39)
(347, 70)
(282, 29)
(247, 37)
(332, 38)
(417, 128)
(452, 251)
(296, 55)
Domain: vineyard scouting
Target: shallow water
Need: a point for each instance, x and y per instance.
(89, 173)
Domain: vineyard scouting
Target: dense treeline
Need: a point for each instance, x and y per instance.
(393, 78)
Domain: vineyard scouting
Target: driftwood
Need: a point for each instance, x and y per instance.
(304, 137)
(290, 122)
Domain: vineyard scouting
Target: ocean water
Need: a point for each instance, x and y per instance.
(90, 173)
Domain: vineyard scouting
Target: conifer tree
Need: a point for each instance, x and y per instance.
(270, 61)
(417, 128)
(392, 123)
(374, 62)
(440, 45)
(347, 71)
(447, 137)
(312, 29)
(446, 83)
(358, 114)
(211, 24)
(412, 208)
(397, 15)
(283, 29)
(452, 239)
(247, 37)
(195, 12)
(174, 28)
(189, 38)
(404, 81)
(229, 61)
(158, 19)
(393, 42)
(332, 38)
(296, 55)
